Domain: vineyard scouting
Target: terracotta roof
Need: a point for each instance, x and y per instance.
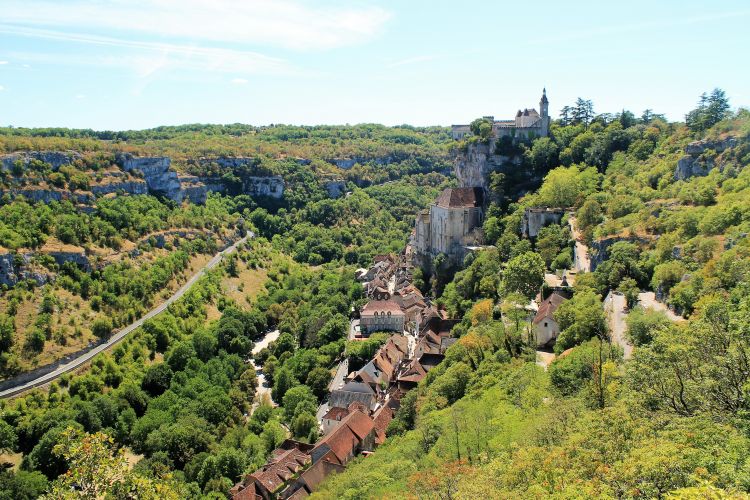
(461, 198)
(360, 424)
(548, 307)
(381, 419)
(381, 306)
(283, 465)
(347, 435)
(336, 413)
(242, 491)
(300, 493)
(315, 475)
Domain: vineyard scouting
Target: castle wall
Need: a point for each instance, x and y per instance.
(535, 219)
(449, 226)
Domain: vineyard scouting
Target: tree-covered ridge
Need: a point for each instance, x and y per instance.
(671, 422)
(420, 147)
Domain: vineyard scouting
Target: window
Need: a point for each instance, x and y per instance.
(545, 324)
(389, 313)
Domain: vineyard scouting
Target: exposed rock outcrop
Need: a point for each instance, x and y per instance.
(133, 186)
(49, 195)
(473, 166)
(14, 267)
(700, 157)
(599, 248)
(156, 171)
(77, 257)
(336, 189)
(54, 158)
(272, 187)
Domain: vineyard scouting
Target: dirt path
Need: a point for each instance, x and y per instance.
(615, 306)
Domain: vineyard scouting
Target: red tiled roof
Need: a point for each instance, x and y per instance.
(382, 418)
(315, 475)
(548, 307)
(359, 423)
(461, 198)
(342, 442)
(381, 306)
(336, 413)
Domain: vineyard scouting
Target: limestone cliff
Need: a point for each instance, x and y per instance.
(473, 165)
(701, 157)
(156, 171)
(55, 158)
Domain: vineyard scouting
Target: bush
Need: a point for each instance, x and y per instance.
(102, 327)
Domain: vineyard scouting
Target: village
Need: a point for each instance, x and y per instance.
(361, 404)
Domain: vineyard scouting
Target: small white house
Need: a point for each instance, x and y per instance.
(544, 324)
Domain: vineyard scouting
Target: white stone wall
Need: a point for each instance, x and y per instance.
(545, 331)
(391, 322)
(449, 226)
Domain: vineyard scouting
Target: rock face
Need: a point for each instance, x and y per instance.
(156, 171)
(54, 158)
(13, 268)
(696, 162)
(79, 258)
(125, 186)
(336, 189)
(599, 248)
(473, 166)
(49, 195)
(272, 187)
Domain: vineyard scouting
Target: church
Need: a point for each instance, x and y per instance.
(527, 124)
(453, 223)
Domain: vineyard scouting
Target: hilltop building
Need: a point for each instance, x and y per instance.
(453, 222)
(527, 124)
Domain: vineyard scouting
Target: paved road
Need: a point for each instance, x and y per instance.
(617, 325)
(117, 337)
(647, 300)
(582, 259)
(341, 372)
(262, 389)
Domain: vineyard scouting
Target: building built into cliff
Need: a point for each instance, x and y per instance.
(451, 224)
(527, 124)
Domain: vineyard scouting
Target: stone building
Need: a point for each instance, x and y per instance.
(381, 315)
(545, 325)
(535, 218)
(527, 124)
(453, 222)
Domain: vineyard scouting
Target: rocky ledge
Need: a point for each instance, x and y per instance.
(700, 157)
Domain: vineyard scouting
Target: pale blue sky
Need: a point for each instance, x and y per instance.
(121, 64)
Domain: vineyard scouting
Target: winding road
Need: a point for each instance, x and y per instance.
(121, 334)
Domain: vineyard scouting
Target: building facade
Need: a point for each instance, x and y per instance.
(527, 124)
(451, 224)
(381, 315)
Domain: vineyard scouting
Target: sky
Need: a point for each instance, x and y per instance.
(134, 64)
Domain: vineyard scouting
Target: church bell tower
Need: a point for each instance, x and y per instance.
(544, 113)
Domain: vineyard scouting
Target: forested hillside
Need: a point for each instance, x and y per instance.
(172, 400)
(175, 410)
(663, 208)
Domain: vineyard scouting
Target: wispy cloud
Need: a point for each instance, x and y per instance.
(238, 81)
(2, 88)
(291, 24)
(147, 58)
(412, 60)
(80, 96)
(610, 30)
(3, 62)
